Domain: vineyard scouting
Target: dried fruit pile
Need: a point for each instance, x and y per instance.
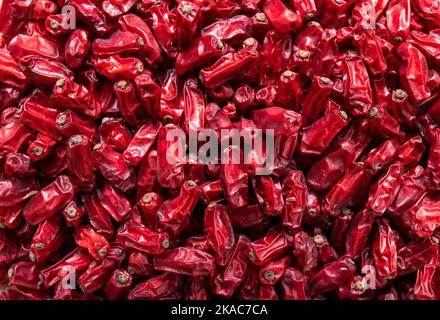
(91, 208)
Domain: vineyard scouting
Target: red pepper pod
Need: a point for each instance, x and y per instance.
(415, 255)
(55, 164)
(228, 67)
(69, 124)
(18, 165)
(234, 178)
(185, 261)
(370, 50)
(77, 48)
(194, 106)
(305, 253)
(174, 214)
(273, 271)
(41, 119)
(48, 238)
(138, 237)
(247, 217)
(290, 92)
(113, 202)
(358, 232)
(295, 197)
(357, 88)
(13, 136)
(56, 24)
(113, 167)
(73, 263)
(334, 13)
(197, 289)
(118, 287)
(116, 8)
(428, 11)
(260, 26)
(42, 8)
(381, 156)
(232, 31)
(324, 57)
(148, 92)
(283, 122)
(368, 8)
(331, 276)
(188, 21)
(427, 43)
(424, 287)
(413, 72)
(19, 10)
(221, 93)
(281, 17)
(116, 67)
(98, 216)
(44, 71)
(20, 293)
(10, 72)
(147, 175)
(433, 167)
(219, 232)
(313, 106)
(128, 103)
(294, 285)
(73, 214)
(384, 250)
(385, 189)
(92, 16)
(276, 51)
(424, 216)
(382, 123)
(141, 143)
(270, 247)
(212, 191)
(150, 204)
(163, 26)
(269, 194)
(411, 151)
(170, 172)
(80, 162)
(354, 182)
(201, 51)
(119, 42)
(11, 217)
(49, 200)
(398, 17)
(41, 147)
(23, 45)
(226, 282)
(412, 188)
(355, 288)
(325, 173)
(157, 288)
(150, 48)
(93, 242)
(318, 136)
(8, 247)
(326, 252)
(25, 274)
(171, 102)
(216, 118)
(244, 98)
(140, 264)
(14, 191)
(98, 272)
(115, 133)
